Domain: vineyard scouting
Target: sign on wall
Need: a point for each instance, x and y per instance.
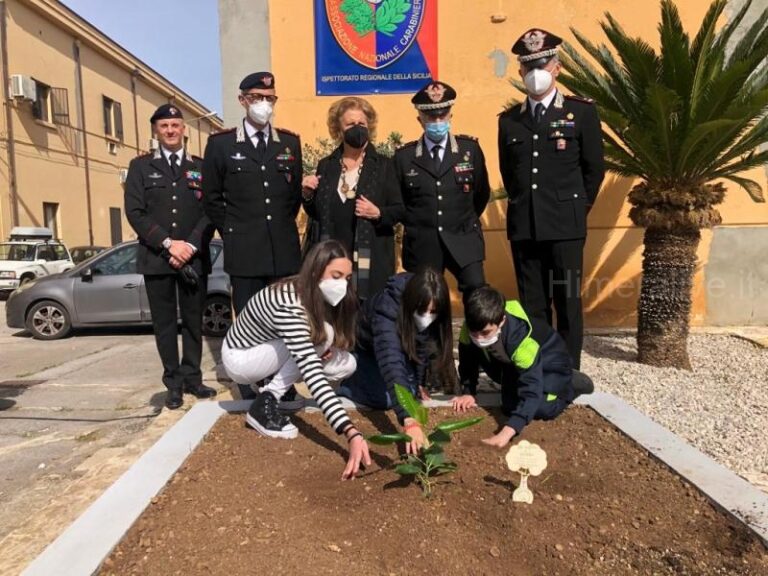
(374, 46)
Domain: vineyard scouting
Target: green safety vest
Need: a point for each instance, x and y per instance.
(525, 354)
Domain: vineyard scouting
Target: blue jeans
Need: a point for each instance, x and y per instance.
(367, 386)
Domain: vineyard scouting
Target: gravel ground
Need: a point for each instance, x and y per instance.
(721, 407)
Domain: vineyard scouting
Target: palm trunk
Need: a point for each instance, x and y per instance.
(669, 261)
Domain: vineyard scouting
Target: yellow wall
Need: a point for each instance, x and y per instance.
(613, 252)
(50, 158)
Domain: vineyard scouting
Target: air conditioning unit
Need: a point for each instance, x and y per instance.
(154, 144)
(112, 148)
(123, 175)
(23, 87)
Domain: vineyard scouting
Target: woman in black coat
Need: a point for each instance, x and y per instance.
(354, 197)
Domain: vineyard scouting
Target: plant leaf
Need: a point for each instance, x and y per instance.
(438, 436)
(390, 14)
(753, 188)
(434, 459)
(384, 439)
(412, 406)
(405, 469)
(458, 424)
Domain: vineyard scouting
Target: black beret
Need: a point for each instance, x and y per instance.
(536, 47)
(166, 111)
(435, 96)
(259, 80)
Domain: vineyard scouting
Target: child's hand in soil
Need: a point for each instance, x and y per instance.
(502, 438)
(464, 403)
(418, 439)
(358, 454)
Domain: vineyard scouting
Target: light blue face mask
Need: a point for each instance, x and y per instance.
(437, 131)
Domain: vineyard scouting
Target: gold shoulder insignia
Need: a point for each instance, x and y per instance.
(287, 131)
(221, 132)
(467, 137)
(407, 144)
(579, 98)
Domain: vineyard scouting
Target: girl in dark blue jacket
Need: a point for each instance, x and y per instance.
(397, 328)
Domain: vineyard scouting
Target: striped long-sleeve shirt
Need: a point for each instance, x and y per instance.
(276, 313)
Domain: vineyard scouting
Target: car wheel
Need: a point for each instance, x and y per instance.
(48, 320)
(26, 280)
(217, 316)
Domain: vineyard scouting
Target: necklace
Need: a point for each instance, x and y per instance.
(350, 191)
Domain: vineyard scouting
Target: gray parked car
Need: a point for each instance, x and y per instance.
(106, 291)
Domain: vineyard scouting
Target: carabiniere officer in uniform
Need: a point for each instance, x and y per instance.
(551, 157)
(445, 190)
(252, 181)
(252, 177)
(163, 204)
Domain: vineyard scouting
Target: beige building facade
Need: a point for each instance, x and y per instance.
(76, 110)
(474, 41)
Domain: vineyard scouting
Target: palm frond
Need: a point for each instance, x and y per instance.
(730, 27)
(703, 40)
(676, 64)
(693, 112)
(753, 188)
(753, 37)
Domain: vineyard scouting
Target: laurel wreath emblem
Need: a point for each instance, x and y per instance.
(364, 18)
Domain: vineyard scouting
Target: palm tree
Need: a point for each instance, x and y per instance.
(680, 121)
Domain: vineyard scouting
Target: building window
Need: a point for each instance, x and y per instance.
(51, 217)
(113, 119)
(42, 109)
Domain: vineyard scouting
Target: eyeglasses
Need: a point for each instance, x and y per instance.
(251, 98)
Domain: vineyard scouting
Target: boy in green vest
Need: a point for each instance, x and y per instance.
(531, 363)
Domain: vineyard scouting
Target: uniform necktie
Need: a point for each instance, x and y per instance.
(436, 157)
(261, 147)
(173, 159)
(538, 112)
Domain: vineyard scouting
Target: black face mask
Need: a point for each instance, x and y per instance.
(356, 136)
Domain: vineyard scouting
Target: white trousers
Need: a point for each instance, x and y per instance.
(250, 365)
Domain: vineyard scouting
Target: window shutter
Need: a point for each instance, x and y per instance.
(60, 106)
(118, 120)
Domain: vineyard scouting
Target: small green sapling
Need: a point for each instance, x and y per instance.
(430, 461)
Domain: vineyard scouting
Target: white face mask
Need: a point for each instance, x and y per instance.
(260, 112)
(334, 290)
(486, 342)
(424, 321)
(538, 81)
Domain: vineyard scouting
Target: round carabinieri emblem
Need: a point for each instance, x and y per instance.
(375, 33)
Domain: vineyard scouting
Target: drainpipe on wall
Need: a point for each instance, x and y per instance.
(10, 143)
(134, 80)
(87, 165)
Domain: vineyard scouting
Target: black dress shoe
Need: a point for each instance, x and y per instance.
(200, 391)
(174, 399)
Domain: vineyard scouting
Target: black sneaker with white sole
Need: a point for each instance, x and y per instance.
(264, 417)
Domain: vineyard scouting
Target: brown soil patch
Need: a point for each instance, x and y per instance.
(243, 504)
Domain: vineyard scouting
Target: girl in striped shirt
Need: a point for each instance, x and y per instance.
(300, 327)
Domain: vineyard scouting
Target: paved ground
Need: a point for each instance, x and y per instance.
(74, 415)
